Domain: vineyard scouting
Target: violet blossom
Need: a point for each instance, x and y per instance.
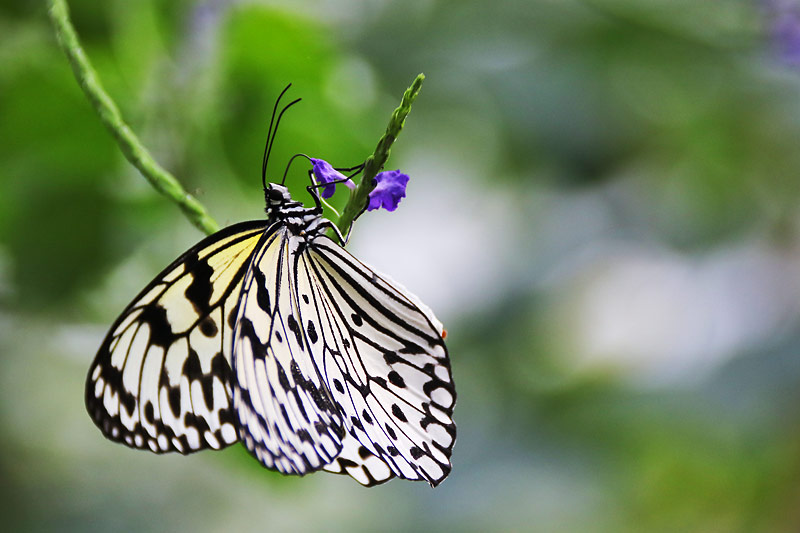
(389, 189)
(328, 176)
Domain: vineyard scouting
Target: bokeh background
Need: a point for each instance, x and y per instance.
(604, 210)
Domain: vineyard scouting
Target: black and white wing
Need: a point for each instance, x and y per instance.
(382, 356)
(161, 379)
(286, 416)
(359, 463)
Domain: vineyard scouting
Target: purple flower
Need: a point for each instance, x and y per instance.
(390, 188)
(326, 174)
(784, 19)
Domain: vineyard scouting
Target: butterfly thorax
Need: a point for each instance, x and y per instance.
(299, 219)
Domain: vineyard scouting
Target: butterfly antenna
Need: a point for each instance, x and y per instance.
(273, 133)
(270, 136)
(289, 164)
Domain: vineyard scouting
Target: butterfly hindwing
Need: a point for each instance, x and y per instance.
(359, 463)
(286, 416)
(384, 361)
(161, 379)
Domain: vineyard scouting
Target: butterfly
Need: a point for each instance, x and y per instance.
(270, 333)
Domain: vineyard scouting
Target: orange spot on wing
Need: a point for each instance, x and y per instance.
(444, 333)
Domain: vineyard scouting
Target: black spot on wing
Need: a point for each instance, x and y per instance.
(227, 416)
(344, 464)
(297, 376)
(262, 294)
(411, 348)
(300, 406)
(398, 413)
(436, 383)
(155, 317)
(286, 416)
(282, 379)
(221, 368)
(248, 330)
(128, 400)
(191, 367)
(304, 436)
(208, 391)
(356, 319)
(396, 379)
(208, 327)
(312, 332)
(199, 290)
(338, 385)
(357, 423)
(391, 358)
(321, 428)
(294, 327)
(174, 397)
(192, 420)
(321, 397)
(110, 373)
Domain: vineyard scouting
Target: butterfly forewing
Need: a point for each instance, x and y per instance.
(384, 361)
(161, 379)
(286, 416)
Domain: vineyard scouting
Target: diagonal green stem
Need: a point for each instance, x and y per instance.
(374, 163)
(131, 147)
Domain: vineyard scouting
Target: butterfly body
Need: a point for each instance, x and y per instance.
(270, 333)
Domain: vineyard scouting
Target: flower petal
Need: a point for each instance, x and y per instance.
(390, 188)
(326, 174)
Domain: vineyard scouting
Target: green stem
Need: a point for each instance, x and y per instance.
(374, 163)
(131, 147)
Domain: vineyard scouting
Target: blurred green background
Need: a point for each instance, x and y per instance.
(603, 210)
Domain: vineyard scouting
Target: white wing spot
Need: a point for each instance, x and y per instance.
(442, 397)
(228, 432)
(212, 440)
(193, 438)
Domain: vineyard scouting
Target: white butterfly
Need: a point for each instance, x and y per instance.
(271, 333)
